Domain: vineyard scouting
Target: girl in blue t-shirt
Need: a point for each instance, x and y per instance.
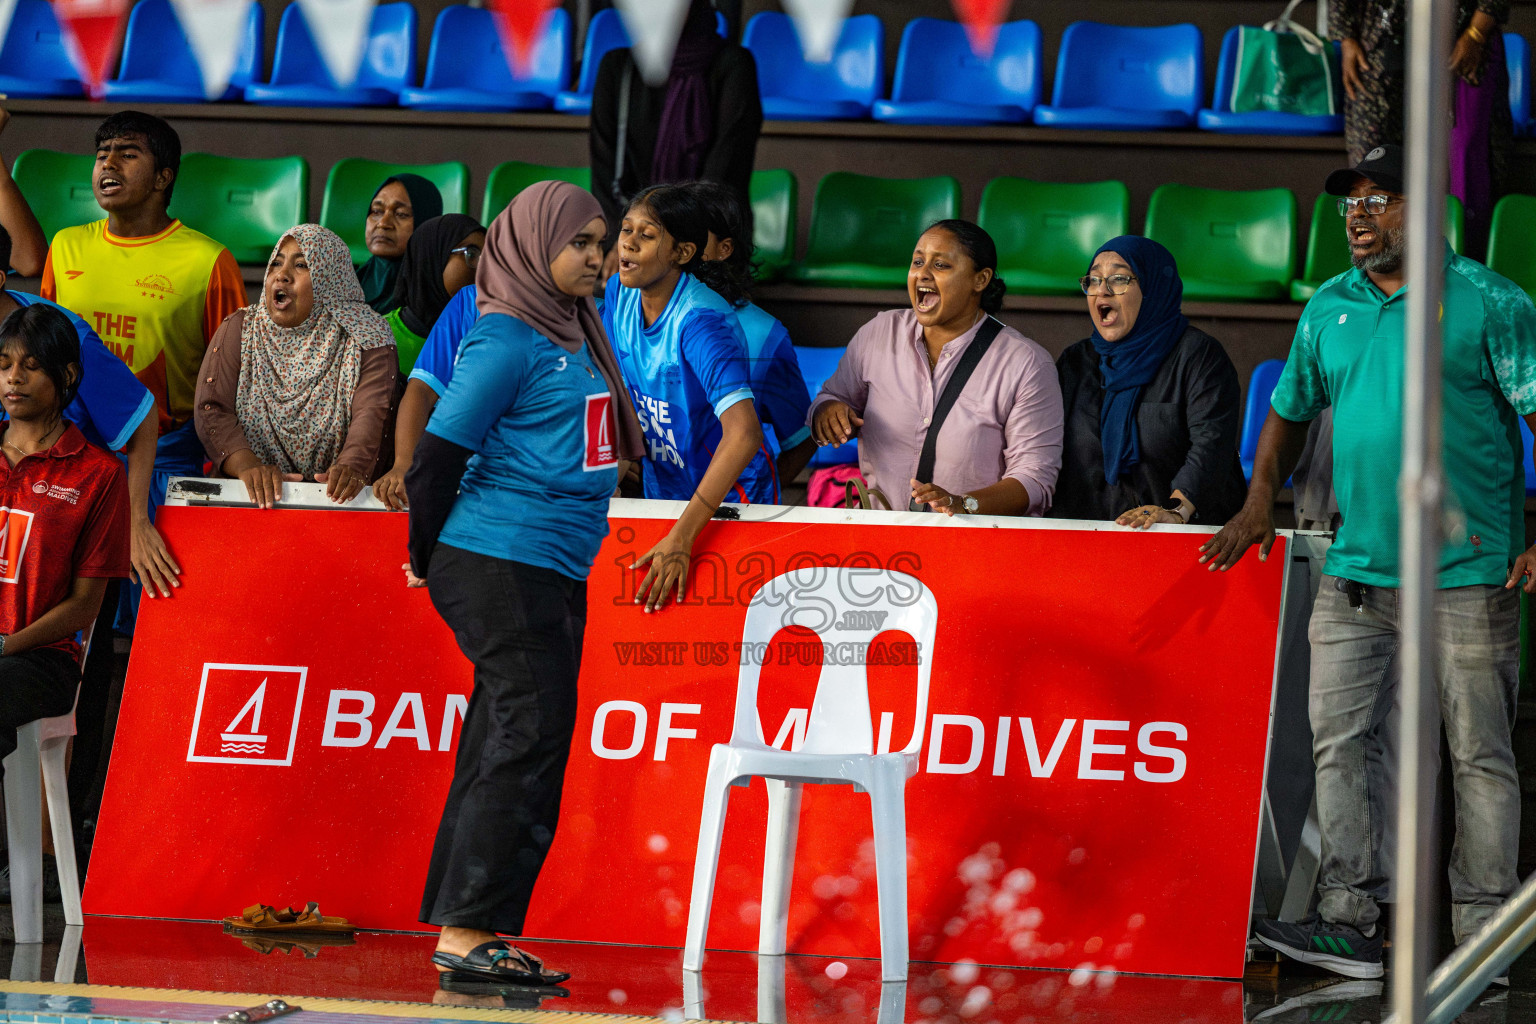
(508, 497)
(671, 317)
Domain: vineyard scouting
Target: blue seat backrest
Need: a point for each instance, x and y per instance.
(1260, 387)
(156, 46)
(33, 47)
(467, 51)
(389, 61)
(856, 71)
(1130, 68)
(1530, 468)
(1517, 54)
(936, 62)
(606, 32)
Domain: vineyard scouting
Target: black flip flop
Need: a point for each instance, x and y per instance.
(501, 963)
(516, 996)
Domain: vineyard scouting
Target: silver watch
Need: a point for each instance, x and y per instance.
(969, 503)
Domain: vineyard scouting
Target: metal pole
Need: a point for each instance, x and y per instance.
(1420, 491)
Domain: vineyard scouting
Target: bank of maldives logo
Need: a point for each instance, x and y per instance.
(247, 714)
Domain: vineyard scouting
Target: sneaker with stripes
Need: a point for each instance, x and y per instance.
(1339, 948)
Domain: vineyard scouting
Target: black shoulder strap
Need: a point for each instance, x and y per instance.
(623, 140)
(957, 381)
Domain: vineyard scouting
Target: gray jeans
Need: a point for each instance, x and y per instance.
(1354, 683)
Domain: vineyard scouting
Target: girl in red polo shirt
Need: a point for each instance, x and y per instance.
(63, 521)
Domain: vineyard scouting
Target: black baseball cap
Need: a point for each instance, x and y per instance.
(1383, 165)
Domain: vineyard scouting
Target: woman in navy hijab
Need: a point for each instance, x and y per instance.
(1153, 406)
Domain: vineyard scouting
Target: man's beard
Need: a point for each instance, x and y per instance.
(1394, 242)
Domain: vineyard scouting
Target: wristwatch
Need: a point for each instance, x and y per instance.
(967, 502)
(1176, 506)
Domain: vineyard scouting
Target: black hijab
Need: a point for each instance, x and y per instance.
(379, 274)
(419, 292)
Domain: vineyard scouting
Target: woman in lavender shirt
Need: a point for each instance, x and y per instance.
(999, 448)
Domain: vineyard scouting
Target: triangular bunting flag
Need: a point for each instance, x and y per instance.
(654, 26)
(981, 18)
(94, 31)
(819, 23)
(7, 8)
(216, 30)
(520, 23)
(340, 29)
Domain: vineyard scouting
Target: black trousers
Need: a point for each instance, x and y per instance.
(34, 684)
(521, 626)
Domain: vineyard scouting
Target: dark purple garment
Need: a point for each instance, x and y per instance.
(1471, 178)
(688, 119)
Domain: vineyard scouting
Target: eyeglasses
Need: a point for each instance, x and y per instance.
(471, 253)
(1374, 205)
(1118, 284)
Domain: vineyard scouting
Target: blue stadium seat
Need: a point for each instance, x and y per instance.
(299, 76)
(793, 89)
(160, 67)
(1517, 55)
(467, 69)
(816, 365)
(33, 61)
(1120, 77)
(939, 80)
(605, 32)
(1220, 117)
(1530, 468)
(1260, 387)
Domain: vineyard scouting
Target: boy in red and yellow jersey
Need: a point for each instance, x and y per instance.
(154, 290)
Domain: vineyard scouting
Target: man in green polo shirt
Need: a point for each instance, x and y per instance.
(1348, 354)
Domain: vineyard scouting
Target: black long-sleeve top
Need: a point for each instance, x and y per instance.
(1189, 423)
(738, 122)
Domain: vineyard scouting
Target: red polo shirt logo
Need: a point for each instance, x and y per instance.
(15, 531)
(599, 433)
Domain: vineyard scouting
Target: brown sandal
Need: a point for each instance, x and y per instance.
(261, 919)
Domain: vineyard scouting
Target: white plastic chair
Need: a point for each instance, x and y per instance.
(40, 750)
(839, 747)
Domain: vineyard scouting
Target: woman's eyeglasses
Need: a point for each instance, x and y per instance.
(1118, 284)
(1374, 205)
(471, 253)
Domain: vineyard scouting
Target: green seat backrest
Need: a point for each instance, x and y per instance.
(775, 199)
(58, 188)
(1220, 235)
(1052, 227)
(245, 203)
(1512, 240)
(350, 186)
(510, 178)
(876, 221)
(1328, 245)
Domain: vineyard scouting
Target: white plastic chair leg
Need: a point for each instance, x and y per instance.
(69, 955)
(772, 1004)
(887, 801)
(778, 865)
(27, 962)
(705, 862)
(56, 788)
(24, 834)
(893, 1003)
(693, 995)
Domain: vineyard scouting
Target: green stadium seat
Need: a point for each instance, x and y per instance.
(863, 228)
(1231, 246)
(1046, 232)
(510, 178)
(352, 182)
(775, 199)
(57, 187)
(245, 203)
(1511, 250)
(1328, 247)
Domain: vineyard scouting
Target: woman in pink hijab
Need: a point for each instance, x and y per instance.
(504, 546)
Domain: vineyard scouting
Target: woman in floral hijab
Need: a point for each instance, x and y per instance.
(299, 385)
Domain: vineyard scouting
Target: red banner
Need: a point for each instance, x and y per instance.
(1091, 775)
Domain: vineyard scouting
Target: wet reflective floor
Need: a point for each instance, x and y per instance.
(127, 969)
